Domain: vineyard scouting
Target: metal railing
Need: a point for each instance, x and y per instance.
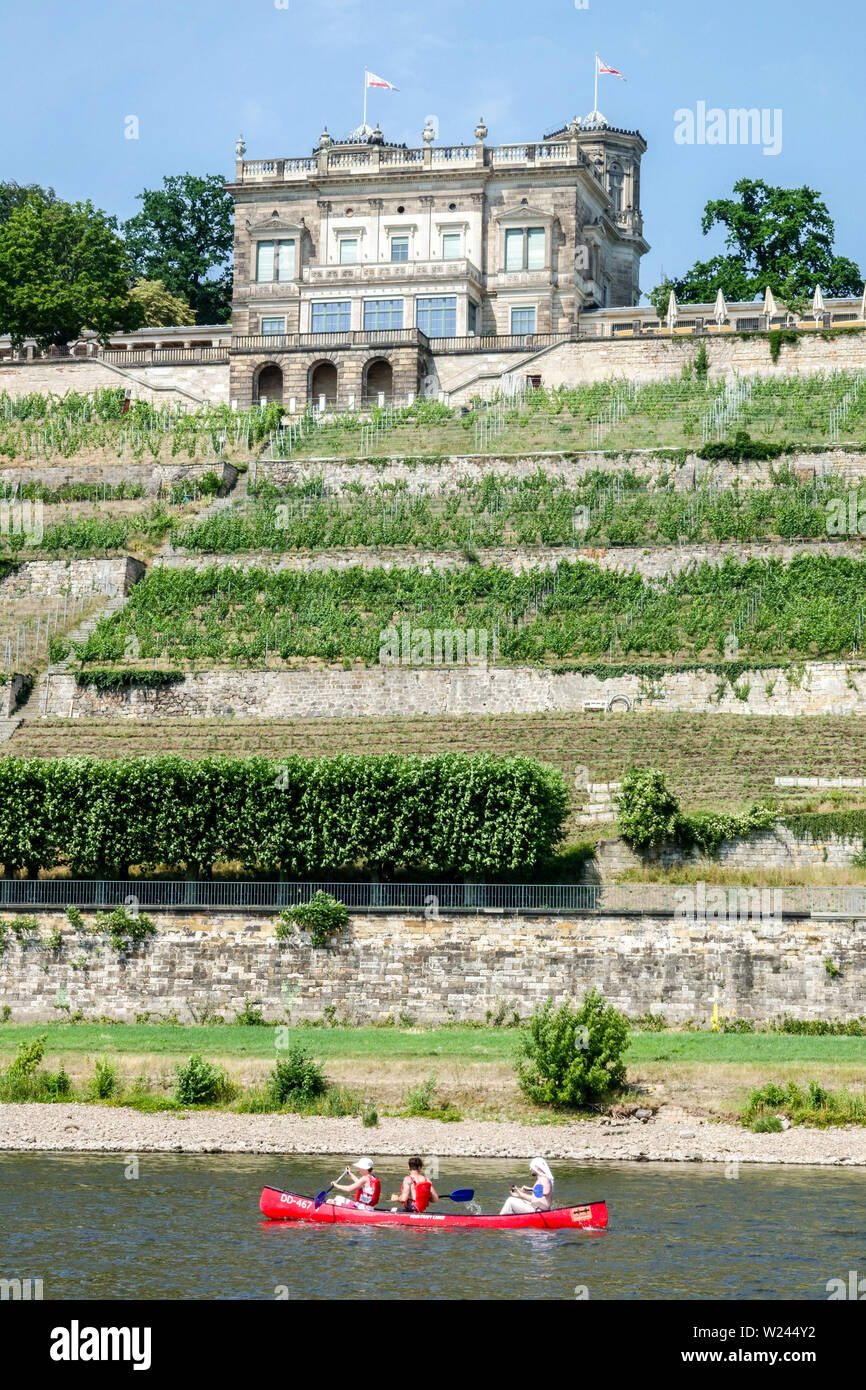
(389, 897)
(628, 899)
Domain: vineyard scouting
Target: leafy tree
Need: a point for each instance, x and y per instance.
(160, 309)
(183, 236)
(781, 237)
(63, 267)
(16, 195)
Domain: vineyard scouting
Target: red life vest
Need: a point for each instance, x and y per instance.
(370, 1195)
(420, 1199)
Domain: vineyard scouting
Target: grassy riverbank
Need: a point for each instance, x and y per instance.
(703, 1073)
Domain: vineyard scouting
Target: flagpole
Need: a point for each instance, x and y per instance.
(365, 100)
(595, 102)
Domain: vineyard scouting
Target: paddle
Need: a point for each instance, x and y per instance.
(320, 1196)
(461, 1194)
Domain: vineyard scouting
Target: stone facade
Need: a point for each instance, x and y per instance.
(373, 246)
(450, 968)
(399, 691)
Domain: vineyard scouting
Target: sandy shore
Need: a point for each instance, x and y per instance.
(670, 1136)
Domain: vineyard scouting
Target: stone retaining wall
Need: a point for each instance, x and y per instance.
(161, 385)
(654, 359)
(762, 851)
(443, 476)
(455, 968)
(398, 691)
(151, 477)
(653, 563)
(50, 578)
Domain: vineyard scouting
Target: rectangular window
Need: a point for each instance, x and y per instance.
(285, 260)
(472, 317)
(514, 249)
(275, 260)
(348, 250)
(383, 313)
(265, 260)
(523, 320)
(273, 326)
(451, 246)
(438, 317)
(535, 248)
(332, 316)
(399, 248)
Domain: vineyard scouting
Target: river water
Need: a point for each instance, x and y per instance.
(188, 1227)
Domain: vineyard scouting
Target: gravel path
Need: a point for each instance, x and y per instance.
(669, 1136)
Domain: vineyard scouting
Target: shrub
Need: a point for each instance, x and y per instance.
(569, 1057)
(105, 1082)
(813, 1105)
(251, 1015)
(201, 1083)
(25, 927)
(23, 1080)
(322, 916)
(649, 814)
(297, 1079)
(420, 1101)
(650, 1023)
(742, 446)
(75, 919)
(125, 929)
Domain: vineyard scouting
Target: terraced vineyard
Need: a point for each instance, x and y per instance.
(103, 427)
(606, 509)
(712, 761)
(812, 607)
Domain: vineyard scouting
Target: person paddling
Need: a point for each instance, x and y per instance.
(417, 1191)
(365, 1187)
(539, 1197)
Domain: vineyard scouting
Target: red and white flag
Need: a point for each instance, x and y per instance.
(374, 81)
(604, 71)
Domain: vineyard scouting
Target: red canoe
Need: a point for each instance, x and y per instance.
(285, 1206)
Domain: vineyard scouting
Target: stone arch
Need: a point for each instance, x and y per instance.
(323, 381)
(378, 380)
(269, 383)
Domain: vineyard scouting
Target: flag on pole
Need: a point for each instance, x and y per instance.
(604, 71)
(374, 81)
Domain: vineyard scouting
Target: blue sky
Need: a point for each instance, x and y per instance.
(197, 72)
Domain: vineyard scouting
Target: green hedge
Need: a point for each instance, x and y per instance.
(452, 813)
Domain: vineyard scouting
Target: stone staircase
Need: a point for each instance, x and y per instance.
(600, 805)
(8, 727)
(35, 706)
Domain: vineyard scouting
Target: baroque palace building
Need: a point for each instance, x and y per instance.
(361, 270)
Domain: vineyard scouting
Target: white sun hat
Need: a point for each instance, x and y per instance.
(365, 1163)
